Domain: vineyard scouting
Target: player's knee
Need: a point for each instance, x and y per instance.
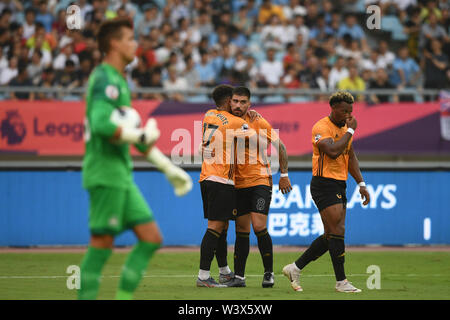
(102, 241)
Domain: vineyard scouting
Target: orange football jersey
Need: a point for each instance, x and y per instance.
(253, 167)
(322, 165)
(220, 131)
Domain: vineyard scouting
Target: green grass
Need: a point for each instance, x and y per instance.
(171, 276)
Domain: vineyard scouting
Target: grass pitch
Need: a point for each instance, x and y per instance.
(171, 276)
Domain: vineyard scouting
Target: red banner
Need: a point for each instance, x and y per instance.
(56, 128)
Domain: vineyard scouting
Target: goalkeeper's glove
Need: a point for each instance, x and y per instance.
(180, 180)
(147, 135)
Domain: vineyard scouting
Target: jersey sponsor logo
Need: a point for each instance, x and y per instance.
(339, 196)
(317, 137)
(13, 128)
(112, 92)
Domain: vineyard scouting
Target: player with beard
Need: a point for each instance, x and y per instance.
(254, 189)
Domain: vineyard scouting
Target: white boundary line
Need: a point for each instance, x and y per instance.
(250, 276)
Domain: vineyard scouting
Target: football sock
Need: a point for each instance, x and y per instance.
(90, 272)
(134, 268)
(225, 270)
(317, 248)
(337, 252)
(265, 249)
(221, 251)
(208, 247)
(241, 251)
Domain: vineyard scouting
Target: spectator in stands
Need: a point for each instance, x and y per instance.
(205, 27)
(22, 80)
(271, 70)
(67, 77)
(294, 8)
(243, 22)
(432, 30)
(373, 62)
(320, 32)
(29, 25)
(36, 67)
(323, 81)
(380, 81)
(412, 27)
(48, 42)
(353, 82)
(273, 33)
(311, 73)
(190, 73)
(59, 25)
(267, 10)
(44, 16)
(435, 64)
(10, 72)
(206, 71)
(141, 74)
(85, 71)
(338, 72)
(48, 81)
(405, 70)
(155, 82)
(152, 19)
(5, 18)
(175, 82)
(145, 49)
(291, 79)
(352, 28)
(385, 56)
(65, 54)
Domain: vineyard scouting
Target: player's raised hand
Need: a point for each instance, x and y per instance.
(178, 178)
(151, 132)
(253, 115)
(364, 195)
(285, 185)
(351, 123)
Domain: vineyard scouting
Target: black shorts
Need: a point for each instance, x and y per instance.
(327, 192)
(219, 200)
(253, 199)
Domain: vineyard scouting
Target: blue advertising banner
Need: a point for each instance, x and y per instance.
(407, 207)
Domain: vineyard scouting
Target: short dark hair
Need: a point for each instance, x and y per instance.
(341, 96)
(221, 93)
(242, 91)
(111, 29)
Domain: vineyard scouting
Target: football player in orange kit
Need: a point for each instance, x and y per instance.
(253, 185)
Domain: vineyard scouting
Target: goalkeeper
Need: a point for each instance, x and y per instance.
(115, 202)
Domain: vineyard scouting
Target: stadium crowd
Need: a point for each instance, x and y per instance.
(185, 44)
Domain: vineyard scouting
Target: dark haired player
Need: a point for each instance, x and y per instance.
(220, 128)
(254, 189)
(333, 158)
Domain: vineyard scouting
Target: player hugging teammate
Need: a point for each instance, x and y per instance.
(247, 185)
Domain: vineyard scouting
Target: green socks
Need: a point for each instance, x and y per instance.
(134, 268)
(90, 272)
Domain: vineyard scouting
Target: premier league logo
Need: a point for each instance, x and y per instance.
(13, 128)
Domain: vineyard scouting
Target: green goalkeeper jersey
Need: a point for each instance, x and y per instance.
(105, 163)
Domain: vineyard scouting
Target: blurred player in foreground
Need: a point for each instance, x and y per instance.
(116, 204)
(333, 158)
(220, 129)
(254, 189)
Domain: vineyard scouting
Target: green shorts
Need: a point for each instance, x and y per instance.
(113, 210)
